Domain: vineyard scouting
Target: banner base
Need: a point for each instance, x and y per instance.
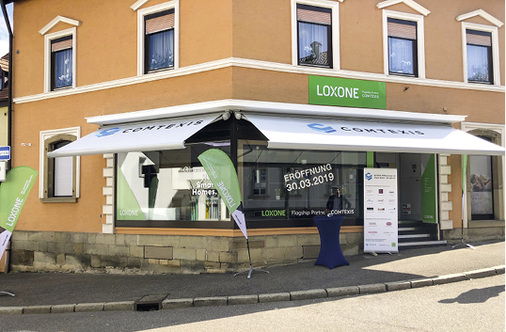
(251, 269)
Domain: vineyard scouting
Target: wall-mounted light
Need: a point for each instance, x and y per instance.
(26, 144)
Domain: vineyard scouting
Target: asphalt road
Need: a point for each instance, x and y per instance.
(471, 305)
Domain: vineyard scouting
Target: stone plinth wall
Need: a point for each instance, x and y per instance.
(59, 251)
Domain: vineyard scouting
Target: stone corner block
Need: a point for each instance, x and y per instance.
(113, 306)
(449, 278)
(37, 309)
(372, 288)
(177, 303)
(210, 301)
(274, 297)
(342, 291)
(308, 294)
(242, 299)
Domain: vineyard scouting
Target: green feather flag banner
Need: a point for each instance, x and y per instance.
(13, 194)
(222, 174)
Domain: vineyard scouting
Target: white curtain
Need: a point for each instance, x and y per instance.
(63, 68)
(401, 56)
(161, 50)
(313, 41)
(477, 63)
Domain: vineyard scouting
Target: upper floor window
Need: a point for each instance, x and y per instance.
(62, 70)
(479, 57)
(403, 43)
(480, 48)
(157, 37)
(314, 32)
(402, 47)
(159, 41)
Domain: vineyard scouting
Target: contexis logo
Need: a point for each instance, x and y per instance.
(368, 176)
(367, 130)
(108, 132)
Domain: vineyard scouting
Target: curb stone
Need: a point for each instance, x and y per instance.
(262, 298)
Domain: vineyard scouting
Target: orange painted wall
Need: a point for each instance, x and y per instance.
(210, 31)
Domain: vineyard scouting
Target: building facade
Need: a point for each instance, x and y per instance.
(115, 100)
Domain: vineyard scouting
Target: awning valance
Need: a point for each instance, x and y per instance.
(347, 135)
(166, 134)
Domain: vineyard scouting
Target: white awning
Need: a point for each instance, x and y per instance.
(166, 134)
(313, 133)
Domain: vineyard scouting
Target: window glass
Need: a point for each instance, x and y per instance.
(480, 180)
(479, 56)
(159, 42)
(168, 186)
(62, 67)
(402, 47)
(289, 187)
(63, 173)
(314, 36)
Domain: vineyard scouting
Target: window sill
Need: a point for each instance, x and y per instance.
(59, 200)
(486, 223)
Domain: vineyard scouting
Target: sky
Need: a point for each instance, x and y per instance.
(4, 35)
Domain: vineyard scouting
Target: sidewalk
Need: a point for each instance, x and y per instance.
(67, 292)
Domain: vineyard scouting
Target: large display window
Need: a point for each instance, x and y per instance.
(288, 187)
(168, 188)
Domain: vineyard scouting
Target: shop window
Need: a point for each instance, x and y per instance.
(168, 188)
(479, 57)
(314, 31)
(299, 184)
(402, 47)
(159, 41)
(157, 38)
(59, 176)
(481, 182)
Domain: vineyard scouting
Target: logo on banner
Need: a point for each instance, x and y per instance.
(108, 132)
(322, 128)
(368, 176)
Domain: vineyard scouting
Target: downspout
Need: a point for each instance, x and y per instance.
(9, 77)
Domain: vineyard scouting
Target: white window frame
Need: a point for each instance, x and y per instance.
(334, 7)
(45, 135)
(495, 49)
(141, 13)
(419, 39)
(47, 56)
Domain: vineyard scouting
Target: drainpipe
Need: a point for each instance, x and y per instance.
(9, 101)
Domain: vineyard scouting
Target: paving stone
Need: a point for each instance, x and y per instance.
(274, 297)
(125, 305)
(210, 301)
(37, 309)
(81, 307)
(372, 289)
(421, 283)
(342, 291)
(449, 278)
(398, 285)
(62, 308)
(11, 310)
(177, 303)
(480, 273)
(308, 294)
(242, 299)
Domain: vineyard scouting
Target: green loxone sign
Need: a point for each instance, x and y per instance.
(336, 91)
